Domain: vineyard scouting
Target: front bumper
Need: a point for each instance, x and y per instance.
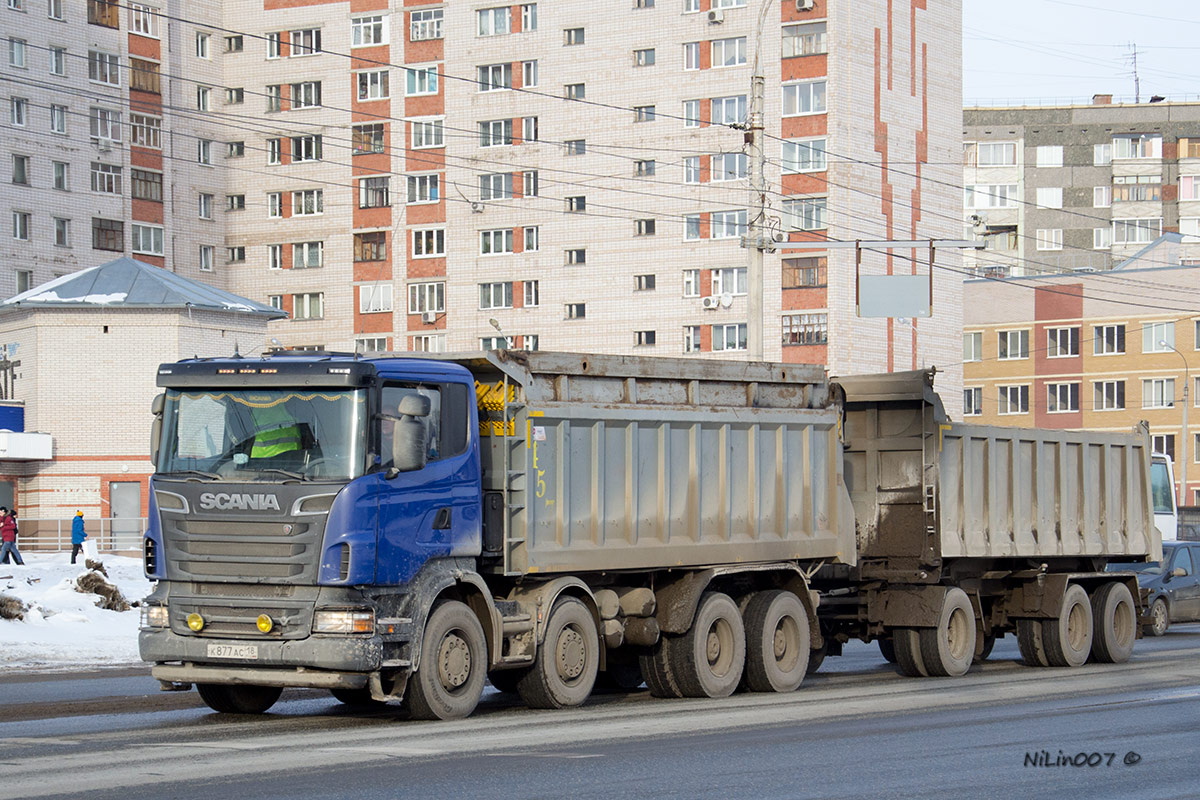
(321, 653)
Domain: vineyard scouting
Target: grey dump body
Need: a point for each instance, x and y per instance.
(598, 463)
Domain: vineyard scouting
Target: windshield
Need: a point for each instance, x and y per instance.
(1161, 488)
(264, 434)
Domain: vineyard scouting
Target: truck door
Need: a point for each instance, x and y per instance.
(434, 511)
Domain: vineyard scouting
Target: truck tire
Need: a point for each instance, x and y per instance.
(816, 657)
(1114, 623)
(1068, 639)
(1161, 616)
(1029, 641)
(564, 669)
(238, 699)
(988, 641)
(708, 660)
(907, 643)
(948, 650)
(777, 642)
(657, 672)
(887, 649)
(355, 697)
(453, 668)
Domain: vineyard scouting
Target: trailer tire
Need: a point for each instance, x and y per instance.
(564, 669)
(948, 650)
(887, 649)
(1068, 639)
(238, 699)
(816, 657)
(777, 642)
(1114, 623)
(355, 697)
(657, 672)
(1031, 643)
(988, 641)
(453, 668)
(907, 643)
(1161, 616)
(708, 660)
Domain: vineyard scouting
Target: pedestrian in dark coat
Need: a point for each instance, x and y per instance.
(78, 534)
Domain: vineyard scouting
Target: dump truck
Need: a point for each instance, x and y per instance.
(409, 527)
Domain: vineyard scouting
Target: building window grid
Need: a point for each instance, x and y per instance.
(805, 329)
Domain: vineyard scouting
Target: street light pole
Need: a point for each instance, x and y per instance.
(1183, 445)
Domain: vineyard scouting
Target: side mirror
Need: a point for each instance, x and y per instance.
(410, 436)
(156, 408)
(1178, 572)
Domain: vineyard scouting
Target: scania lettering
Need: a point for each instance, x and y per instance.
(253, 502)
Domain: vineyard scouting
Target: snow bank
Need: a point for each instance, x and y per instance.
(62, 627)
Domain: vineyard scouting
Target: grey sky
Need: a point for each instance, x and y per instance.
(1045, 51)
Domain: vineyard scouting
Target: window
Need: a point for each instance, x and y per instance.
(973, 346)
(643, 168)
(204, 151)
(1102, 154)
(1158, 393)
(729, 280)
(532, 238)
(804, 98)
(691, 227)
(1108, 340)
(1137, 146)
(428, 343)
(1049, 155)
(529, 18)
(147, 239)
(1163, 443)
(575, 256)
(1158, 337)
(21, 220)
(495, 133)
(306, 148)
(206, 258)
(62, 238)
(728, 3)
(728, 224)
(20, 170)
(576, 203)
(691, 338)
(1062, 398)
(16, 53)
(203, 98)
(691, 283)
(145, 131)
(421, 80)
(529, 74)
(729, 110)
(373, 85)
(106, 178)
(729, 337)
(235, 149)
(496, 186)
(306, 94)
(308, 255)
(803, 273)
(425, 25)
(202, 42)
(691, 113)
(427, 297)
(1013, 345)
(429, 242)
(644, 338)
(1002, 195)
(367, 31)
(104, 68)
(100, 12)
(1108, 395)
(973, 402)
(1137, 188)
(1136, 231)
(497, 242)
(1013, 399)
(425, 133)
(691, 6)
(308, 305)
(495, 295)
(275, 301)
(367, 138)
(806, 214)
(643, 58)
(529, 183)
(1049, 239)
(575, 310)
(423, 188)
(273, 44)
(16, 5)
(59, 173)
(728, 166)
(55, 9)
(58, 61)
(531, 294)
(804, 40)
(274, 256)
(691, 169)
(496, 342)
(234, 44)
(308, 201)
(805, 329)
(644, 283)
(492, 77)
(274, 151)
(691, 55)
(1049, 197)
(306, 42)
(204, 203)
(235, 202)
(274, 205)
(575, 91)
(374, 192)
(144, 76)
(1189, 185)
(494, 21)
(572, 36)
(575, 147)
(804, 156)
(1101, 197)
(274, 95)
(643, 227)
(370, 246)
(643, 113)
(729, 52)
(375, 298)
(234, 97)
(1062, 342)
(529, 129)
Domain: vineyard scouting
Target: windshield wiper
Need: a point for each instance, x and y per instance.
(285, 472)
(210, 475)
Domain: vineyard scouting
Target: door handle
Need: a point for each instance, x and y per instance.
(441, 520)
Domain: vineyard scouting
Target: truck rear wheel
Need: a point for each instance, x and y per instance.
(985, 643)
(1114, 621)
(949, 649)
(453, 668)
(777, 642)
(564, 670)
(708, 660)
(1068, 639)
(887, 649)
(238, 699)
(1031, 644)
(907, 644)
(816, 657)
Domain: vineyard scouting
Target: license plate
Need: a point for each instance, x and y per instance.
(247, 651)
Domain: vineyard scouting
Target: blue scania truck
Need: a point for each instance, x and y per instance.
(409, 527)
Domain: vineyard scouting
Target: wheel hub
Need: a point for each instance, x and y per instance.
(454, 661)
(713, 647)
(571, 654)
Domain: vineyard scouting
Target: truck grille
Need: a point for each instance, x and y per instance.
(234, 549)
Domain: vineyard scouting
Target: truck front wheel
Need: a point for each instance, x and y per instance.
(236, 699)
(564, 671)
(454, 663)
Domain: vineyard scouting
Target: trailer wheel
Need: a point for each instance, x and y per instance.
(657, 671)
(708, 660)
(1162, 618)
(1114, 623)
(887, 649)
(453, 665)
(777, 641)
(907, 643)
(1068, 639)
(949, 649)
(987, 641)
(355, 697)
(238, 699)
(1031, 644)
(564, 670)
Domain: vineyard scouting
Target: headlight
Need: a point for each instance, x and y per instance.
(155, 617)
(344, 621)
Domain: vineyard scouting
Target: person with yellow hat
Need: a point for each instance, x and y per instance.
(78, 534)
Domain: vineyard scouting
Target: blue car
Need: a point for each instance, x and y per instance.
(1174, 585)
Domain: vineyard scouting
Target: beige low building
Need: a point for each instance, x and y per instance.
(81, 353)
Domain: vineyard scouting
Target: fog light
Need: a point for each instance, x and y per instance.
(195, 621)
(265, 623)
(155, 617)
(326, 621)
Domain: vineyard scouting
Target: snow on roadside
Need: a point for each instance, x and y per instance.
(63, 627)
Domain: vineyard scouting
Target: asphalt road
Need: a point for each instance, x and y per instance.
(857, 729)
